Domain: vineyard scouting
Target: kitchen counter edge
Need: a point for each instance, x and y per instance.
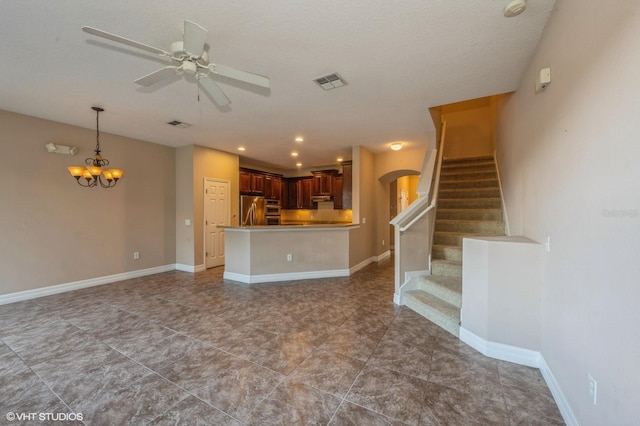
(271, 228)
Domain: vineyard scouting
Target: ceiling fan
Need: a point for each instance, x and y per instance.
(189, 57)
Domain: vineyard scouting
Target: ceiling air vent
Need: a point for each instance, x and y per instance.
(330, 81)
(180, 124)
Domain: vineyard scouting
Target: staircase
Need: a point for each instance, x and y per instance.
(469, 204)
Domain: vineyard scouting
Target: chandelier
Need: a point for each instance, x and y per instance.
(94, 172)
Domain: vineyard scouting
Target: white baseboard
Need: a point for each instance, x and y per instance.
(383, 256)
(190, 268)
(361, 265)
(269, 278)
(77, 285)
(397, 300)
(561, 401)
(500, 351)
(523, 357)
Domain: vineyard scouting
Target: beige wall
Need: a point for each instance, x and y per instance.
(184, 206)
(195, 163)
(470, 128)
(569, 164)
(54, 232)
(361, 240)
(388, 167)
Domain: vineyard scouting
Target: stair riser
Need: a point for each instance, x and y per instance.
(470, 203)
(452, 325)
(449, 162)
(452, 253)
(491, 174)
(446, 269)
(470, 193)
(441, 292)
(478, 165)
(464, 184)
(469, 214)
(447, 253)
(474, 227)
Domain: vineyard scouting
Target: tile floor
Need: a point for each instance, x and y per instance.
(181, 348)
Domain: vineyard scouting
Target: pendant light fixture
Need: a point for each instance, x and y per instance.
(94, 172)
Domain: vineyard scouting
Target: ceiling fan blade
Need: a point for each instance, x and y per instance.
(247, 77)
(128, 42)
(157, 76)
(212, 89)
(194, 38)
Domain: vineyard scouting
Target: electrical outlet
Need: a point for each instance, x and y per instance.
(382, 242)
(289, 257)
(547, 244)
(593, 388)
(364, 220)
(136, 255)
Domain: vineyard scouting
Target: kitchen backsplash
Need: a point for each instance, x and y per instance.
(321, 215)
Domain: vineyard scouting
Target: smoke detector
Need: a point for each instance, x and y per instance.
(515, 8)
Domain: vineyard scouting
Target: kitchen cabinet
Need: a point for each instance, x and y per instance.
(337, 192)
(298, 193)
(255, 182)
(272, 186)
(323, 182)
(347, 172)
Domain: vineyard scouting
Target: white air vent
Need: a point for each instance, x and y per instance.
(180, 124)
(330, 81)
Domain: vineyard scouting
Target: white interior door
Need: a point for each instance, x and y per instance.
(216, 213)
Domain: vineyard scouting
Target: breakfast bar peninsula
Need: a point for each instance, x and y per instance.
(259, 254)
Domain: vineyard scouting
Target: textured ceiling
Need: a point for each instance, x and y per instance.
(399, 58)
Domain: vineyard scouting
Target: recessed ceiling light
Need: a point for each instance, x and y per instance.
(242, 148)
(294, 154)
(299, 139)
(396, 146)
(340, 160)
(298, 164)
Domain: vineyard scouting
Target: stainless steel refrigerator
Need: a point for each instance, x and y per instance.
(252, 210)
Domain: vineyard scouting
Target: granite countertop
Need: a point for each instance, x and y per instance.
(295, 225)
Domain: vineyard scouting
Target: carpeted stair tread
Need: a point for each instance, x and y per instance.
(472, 226)
(447, 268)
(455, 238)
(474, 174)
(476, 183)
(446, 288)
(470, 193)
(443, 314)
(471, 203)
(469, 214)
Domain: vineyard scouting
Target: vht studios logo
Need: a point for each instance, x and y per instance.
(52, 417)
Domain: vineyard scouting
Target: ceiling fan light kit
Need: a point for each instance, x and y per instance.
(190, 57)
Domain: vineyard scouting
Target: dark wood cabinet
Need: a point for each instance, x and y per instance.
(245, 182)
(255, 182)
(298, 193)
(305, 193)
(337, 192)
(347, 171)
(272, 187)
(323, 182)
